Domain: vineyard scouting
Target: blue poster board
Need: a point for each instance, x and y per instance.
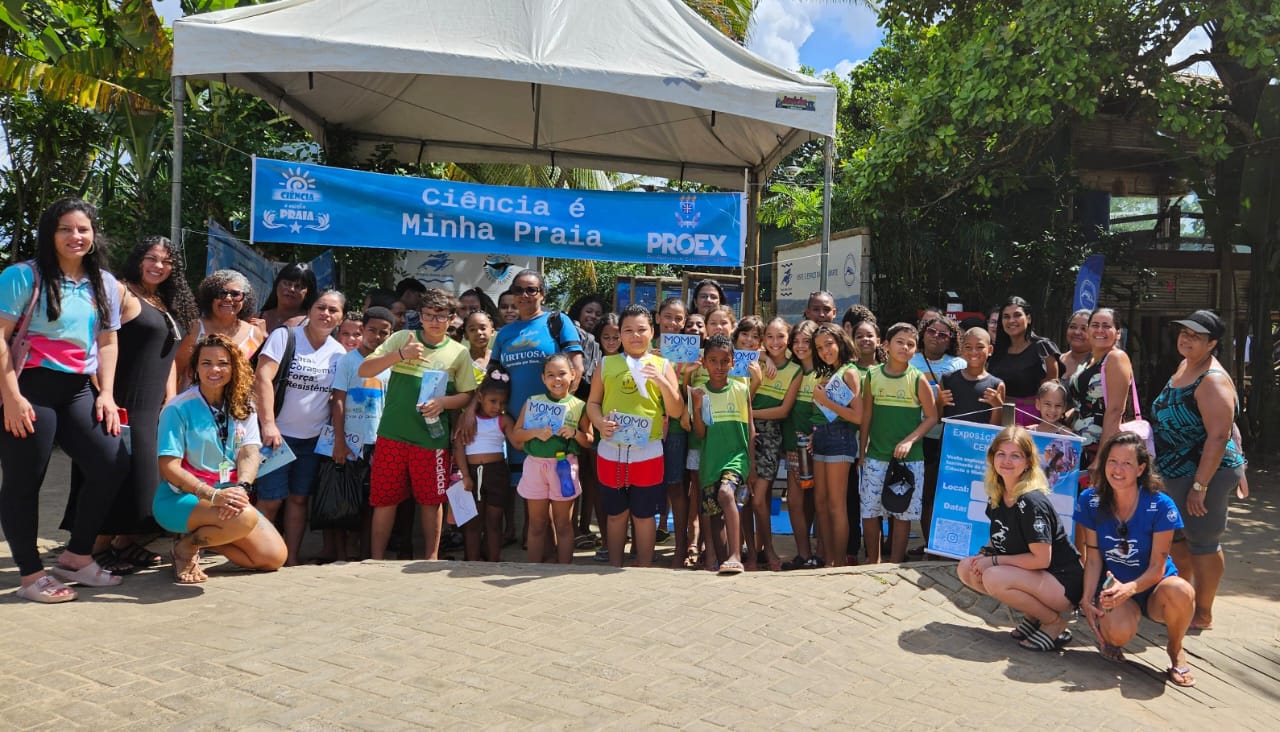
(960, 527)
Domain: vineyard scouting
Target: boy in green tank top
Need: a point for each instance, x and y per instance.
(726, 404)
(898, 410)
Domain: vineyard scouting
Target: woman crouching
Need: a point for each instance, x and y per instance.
(1030, 564)
(1129, 525)
(208, 451)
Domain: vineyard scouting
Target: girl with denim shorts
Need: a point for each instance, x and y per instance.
(835, 436)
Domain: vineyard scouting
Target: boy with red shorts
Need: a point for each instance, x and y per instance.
(411, 456)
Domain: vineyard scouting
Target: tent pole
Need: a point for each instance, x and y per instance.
(175, 200)
(751, 281)
(828, 153)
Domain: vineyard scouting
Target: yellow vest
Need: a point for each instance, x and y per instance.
(620, 391)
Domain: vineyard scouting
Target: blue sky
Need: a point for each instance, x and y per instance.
(823, 34)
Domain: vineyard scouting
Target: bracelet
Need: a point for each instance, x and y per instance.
(400, 351)
(213, 496)
(995, 560)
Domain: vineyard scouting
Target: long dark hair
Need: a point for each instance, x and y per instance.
(1148, 481)
(94, 261)
(174, 292)
(296, 272)
(487, 305)
(844, 349)
(1003, 341)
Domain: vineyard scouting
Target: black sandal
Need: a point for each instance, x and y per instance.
(112, 562)
(1038, 640)
(138, 556)
(1024, 628)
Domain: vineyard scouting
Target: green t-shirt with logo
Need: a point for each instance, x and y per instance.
(728, 442)
(400, 417)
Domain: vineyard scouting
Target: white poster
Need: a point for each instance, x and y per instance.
(797, 272)
(457, 272)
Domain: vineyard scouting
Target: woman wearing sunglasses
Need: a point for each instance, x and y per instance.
(208, 456)
(1128, 573)
(226, 302)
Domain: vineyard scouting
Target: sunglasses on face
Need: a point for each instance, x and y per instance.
(526, 291)
(234, 295)
(936, 333)
(1123, 530)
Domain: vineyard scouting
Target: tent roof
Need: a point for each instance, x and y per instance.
(640, 87)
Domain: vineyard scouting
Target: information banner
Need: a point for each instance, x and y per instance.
(300, 203)
(960, 526)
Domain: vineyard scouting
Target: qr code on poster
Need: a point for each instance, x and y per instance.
(951, 538)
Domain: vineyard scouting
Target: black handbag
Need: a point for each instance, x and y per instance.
(339, 498)
(899, 485)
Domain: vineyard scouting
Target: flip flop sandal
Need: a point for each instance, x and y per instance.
(731, 567)
(1115, 654)
(1024, 628)
(44, 591)
(1180, 676)
(586, 541)
(794, 563)
(1039, 641)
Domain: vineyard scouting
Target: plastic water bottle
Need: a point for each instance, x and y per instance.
(706, 409)
(435, 427)
(565, 471)
(804, 470)
(740, 496)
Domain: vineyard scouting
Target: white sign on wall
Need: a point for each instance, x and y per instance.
(797, 271)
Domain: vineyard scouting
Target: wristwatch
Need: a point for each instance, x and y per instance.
(1199, 487)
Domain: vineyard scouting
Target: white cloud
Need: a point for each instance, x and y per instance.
(780, 28)
(1195, 42)
(843, 67)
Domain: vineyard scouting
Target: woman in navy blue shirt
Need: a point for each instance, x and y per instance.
(1128, 527)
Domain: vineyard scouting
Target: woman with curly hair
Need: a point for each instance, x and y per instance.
(156, 309)
(208, 458)
(226, 303)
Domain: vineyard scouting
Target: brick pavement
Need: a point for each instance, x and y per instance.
(395, 645)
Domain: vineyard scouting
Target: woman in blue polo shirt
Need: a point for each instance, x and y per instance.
(1129, 524)
(208, 452)
(74, 306)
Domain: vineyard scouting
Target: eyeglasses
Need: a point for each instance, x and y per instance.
(436, 317)
(152, 259)
(296, 285)
(1123, 530)
(526, 291)
(235, 295)
(936, 333)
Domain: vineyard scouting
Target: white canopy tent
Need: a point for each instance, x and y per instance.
(639, 87)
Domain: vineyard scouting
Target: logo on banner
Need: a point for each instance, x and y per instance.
(850, 270)
(784, 280)
(497, 269)
(1088, 294)
(293, 193)
(686, 217)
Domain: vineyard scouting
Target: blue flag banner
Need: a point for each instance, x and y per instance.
(298, 203)
(227, 252)
(960, 526)
(1088, 283)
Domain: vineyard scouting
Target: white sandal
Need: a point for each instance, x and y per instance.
(44, 591)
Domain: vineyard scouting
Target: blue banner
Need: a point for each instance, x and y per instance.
(297, 203)
(960, 526)
(1088, 283)
(227, 252)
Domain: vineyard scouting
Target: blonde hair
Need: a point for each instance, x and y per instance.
(1033, 479)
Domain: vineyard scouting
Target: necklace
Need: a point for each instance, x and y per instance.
(152, 298)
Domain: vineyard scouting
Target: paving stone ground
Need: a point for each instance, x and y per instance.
(398, 645)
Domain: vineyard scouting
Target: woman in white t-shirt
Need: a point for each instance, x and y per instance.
(304, 411)
(208, 452)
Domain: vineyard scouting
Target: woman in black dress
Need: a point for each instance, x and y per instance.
(156, 309)
(1022, 359)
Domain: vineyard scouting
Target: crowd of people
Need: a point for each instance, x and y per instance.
(168, 401)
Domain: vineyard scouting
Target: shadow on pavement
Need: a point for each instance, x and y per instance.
(1252, 552)
(505, 574)
(1078, 668)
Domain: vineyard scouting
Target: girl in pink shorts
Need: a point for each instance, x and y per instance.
(551, 429)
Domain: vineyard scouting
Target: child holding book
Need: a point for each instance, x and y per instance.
(798, 428)
(898, 410)
(835, 435)
(633, 387)
(721, 416)
(550, 429)
(412, 456)
(771, 406)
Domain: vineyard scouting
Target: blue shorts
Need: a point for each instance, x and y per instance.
(298, 478)
(675, 448)
(173, 510)
(835, 442)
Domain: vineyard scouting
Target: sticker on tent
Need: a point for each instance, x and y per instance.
(795, 101)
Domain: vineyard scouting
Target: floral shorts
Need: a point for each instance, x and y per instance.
(730, 479)
(872, 485)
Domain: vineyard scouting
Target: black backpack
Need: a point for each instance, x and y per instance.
(281, 380)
